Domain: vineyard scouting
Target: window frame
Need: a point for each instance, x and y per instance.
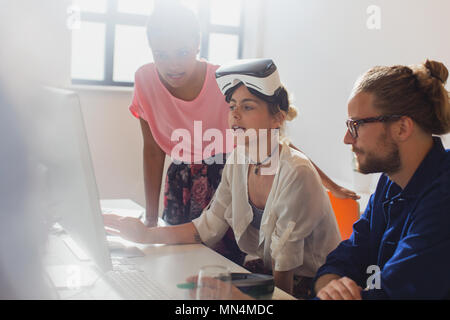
(112, 17)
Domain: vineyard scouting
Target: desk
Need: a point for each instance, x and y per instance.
(168, 264)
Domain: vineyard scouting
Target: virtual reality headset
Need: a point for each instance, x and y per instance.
(258, 74)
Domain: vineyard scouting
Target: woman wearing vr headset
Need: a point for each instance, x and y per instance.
(171, 93)
(272, 199)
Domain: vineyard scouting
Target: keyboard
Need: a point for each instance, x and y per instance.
(136, 285)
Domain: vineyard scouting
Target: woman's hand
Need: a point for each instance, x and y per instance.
(342, 193)
(129, 228)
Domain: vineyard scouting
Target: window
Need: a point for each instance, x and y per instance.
(109, 41)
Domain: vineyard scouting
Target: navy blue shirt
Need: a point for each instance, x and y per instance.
(405, 233)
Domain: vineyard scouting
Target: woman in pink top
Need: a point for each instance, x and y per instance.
(165, 115)
(178, 94)
(170, 94)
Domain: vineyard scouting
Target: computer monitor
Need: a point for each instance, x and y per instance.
(65, 175)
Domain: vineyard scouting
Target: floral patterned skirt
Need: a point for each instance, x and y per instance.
(188, 190)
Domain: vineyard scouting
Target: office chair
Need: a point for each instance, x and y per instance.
(346, 212)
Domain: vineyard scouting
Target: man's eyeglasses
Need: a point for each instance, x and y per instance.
(353, 125)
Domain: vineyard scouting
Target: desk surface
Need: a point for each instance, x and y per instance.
(169, 265)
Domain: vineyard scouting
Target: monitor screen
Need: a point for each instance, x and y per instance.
(65, 175)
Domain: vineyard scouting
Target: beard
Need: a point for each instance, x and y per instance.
(374, 162)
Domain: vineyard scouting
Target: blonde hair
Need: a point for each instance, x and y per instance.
(415, 91)
(283, 103)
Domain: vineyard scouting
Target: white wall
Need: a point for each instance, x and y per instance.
(321, 46)
(115, 142)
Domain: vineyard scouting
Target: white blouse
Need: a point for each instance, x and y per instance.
(298, 227)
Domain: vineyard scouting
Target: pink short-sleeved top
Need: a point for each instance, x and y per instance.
(184, 130)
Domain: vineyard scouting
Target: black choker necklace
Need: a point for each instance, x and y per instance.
(259, 164)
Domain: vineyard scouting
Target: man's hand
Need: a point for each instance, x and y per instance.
(340, 289)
